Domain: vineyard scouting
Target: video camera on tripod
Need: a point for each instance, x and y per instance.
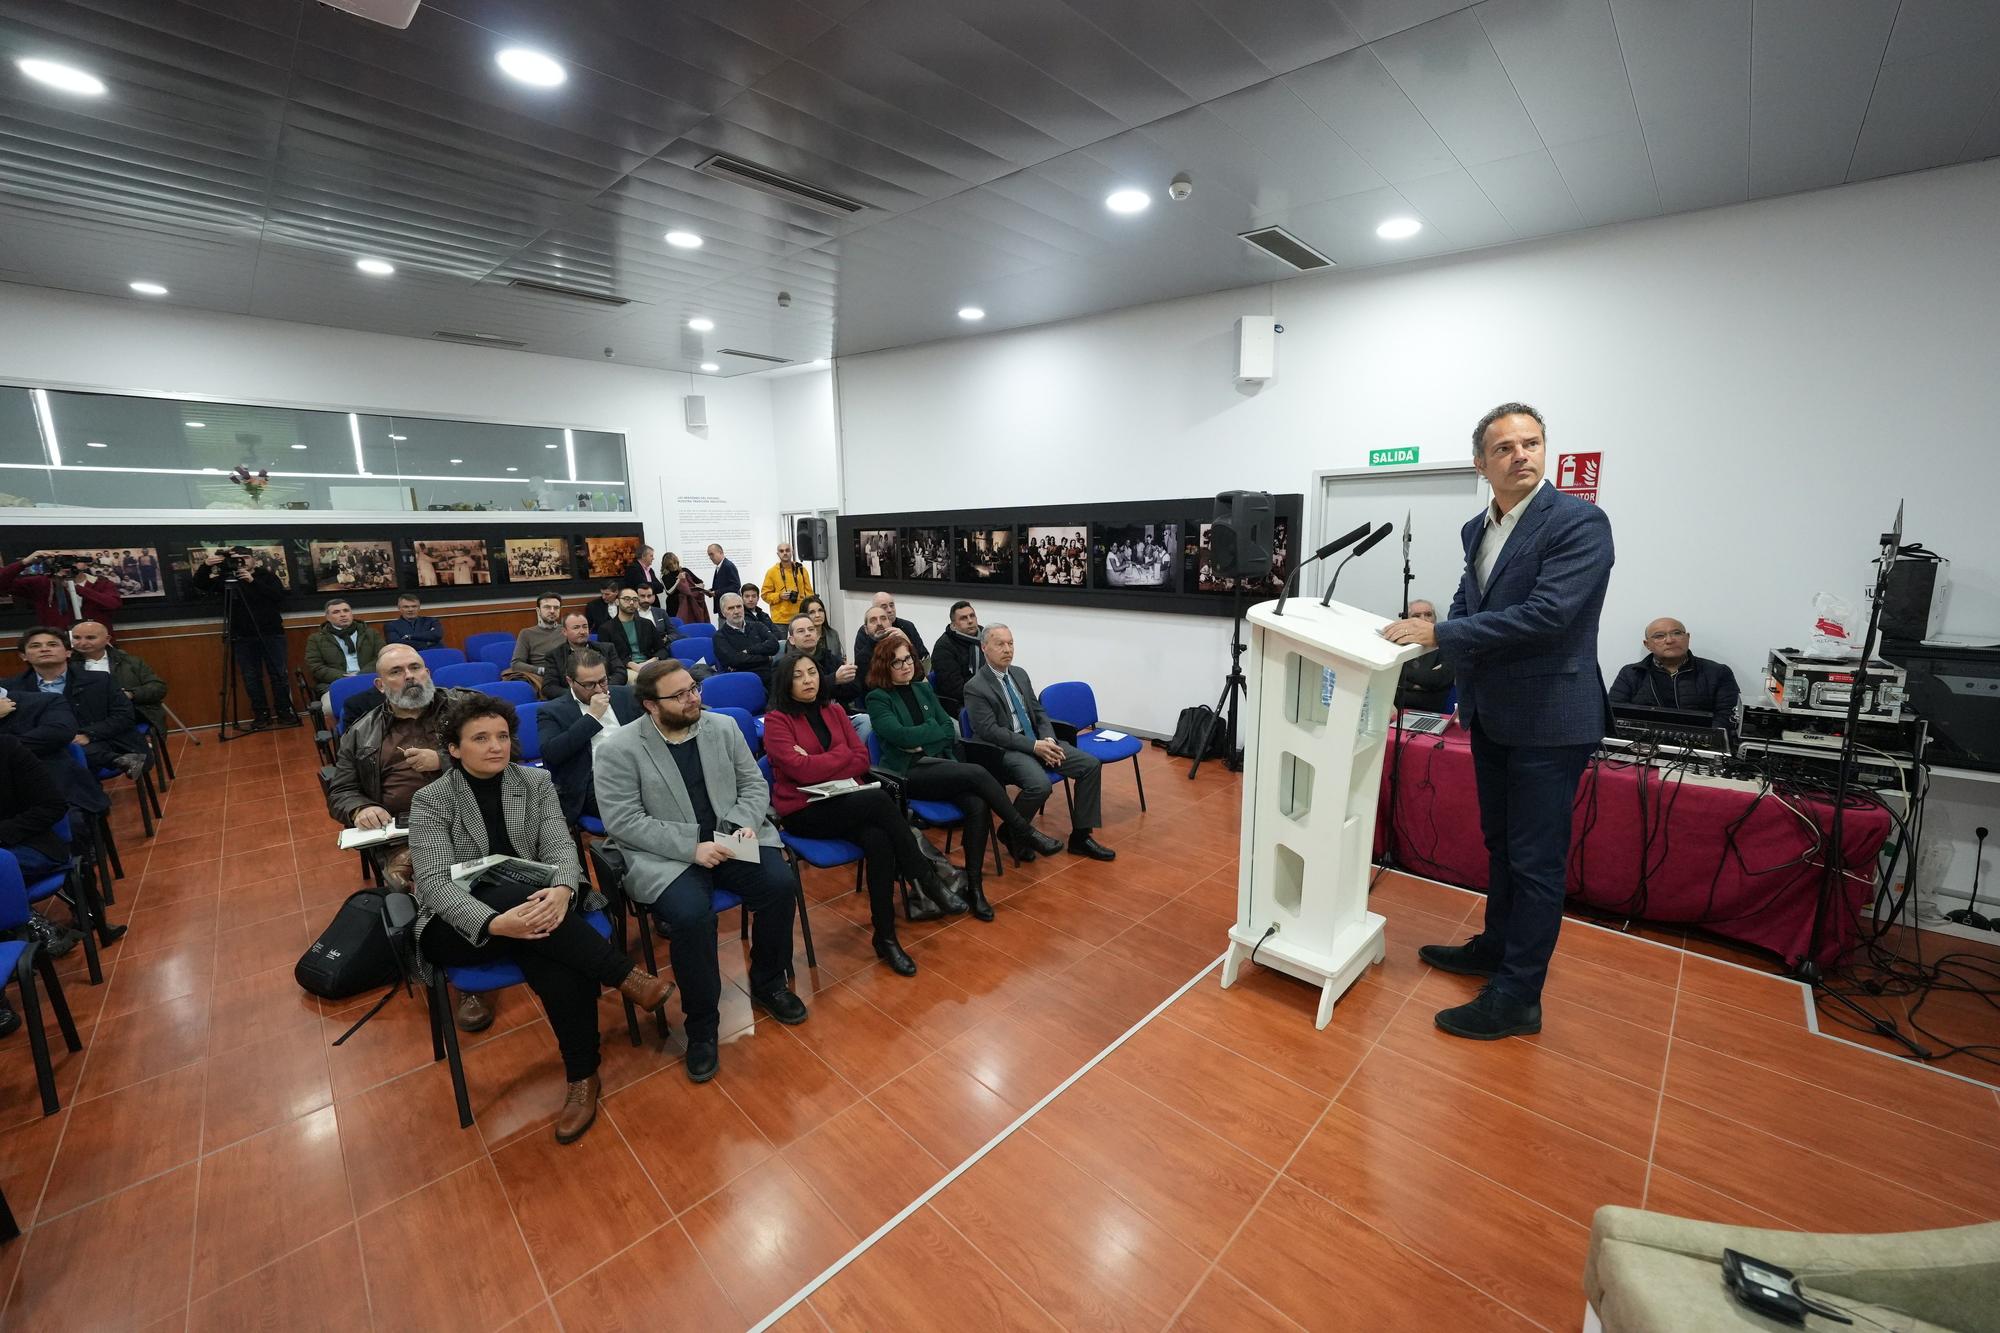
(238, 562)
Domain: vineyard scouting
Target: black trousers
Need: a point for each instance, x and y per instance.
(565, 969)
(256, 658)
(874, 822)
(973, 790)
(687, 914)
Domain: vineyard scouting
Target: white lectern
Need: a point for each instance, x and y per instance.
(1322, 688)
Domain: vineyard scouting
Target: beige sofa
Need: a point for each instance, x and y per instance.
(1651, 1273)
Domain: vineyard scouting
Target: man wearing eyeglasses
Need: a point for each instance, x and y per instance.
(1425, 681)
(680, 794)
(1671, 676)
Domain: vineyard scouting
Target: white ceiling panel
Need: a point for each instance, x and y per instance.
(1610, 179)
(1690, 68)
(1812, 70)
(1363, 104)
(1565, 62)
(1376, 19)
(1529, 192)
(1925, 108)
(1285, 34)
(1453, 203)
(1450, 73)
(1308, 161)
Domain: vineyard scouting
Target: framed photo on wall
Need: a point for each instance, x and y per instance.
(459, 562)
(1201, 576)
(537, 559)
(876, 554)
(1143, 556)
(263, 555)
(985, 555)
(1055, 556)
(927, 553)
(609, 555)
(133, 570)
(361, 566)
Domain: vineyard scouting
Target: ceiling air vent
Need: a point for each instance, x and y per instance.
(754, 356)
(573, 293)
(1287, 248)
(477, 339)
(726, 168)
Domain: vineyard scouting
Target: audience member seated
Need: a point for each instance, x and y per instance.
(1006, 713)
(412, 626)
(1671, 676)
(606, 605)
(649, 607)
(809, 740)
(485, 804)
(31, 805)
(42, 722)
(256, 630)
(742, 644)
(725, 576)
(534, 645)
(1425, 681)
(636, 639)
(751, 610)
(90, 649)
(343, 646)
(878, 620)
(61, 589)
(956, 655)
(685, 599)
(681, 796)
(576, 641)
(919, 741)
(839, 680)
(568, 724)
(787, 584)
(641, 572)
(106, 723)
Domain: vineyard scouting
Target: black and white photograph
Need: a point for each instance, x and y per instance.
(875, 551)
(1055, 557)
(1201, 574)
(458, 563)
(985, 555)
(926, 553)
(1137, 555)
(537, 559)
(353, 566)
(133, 570)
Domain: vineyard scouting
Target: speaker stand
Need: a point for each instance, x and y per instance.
(1233, 686)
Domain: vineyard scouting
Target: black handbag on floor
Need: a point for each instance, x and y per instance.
(353, 954)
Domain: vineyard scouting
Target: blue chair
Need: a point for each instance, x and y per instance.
(697, 629)
(516, 692)
(821, 854)
(22, 960)
(752, 734)
(1073, 703)
(692, 651)
(149, 796)
(734, 689)
(531, 732)
(337, 695)
(477, 644)
(937, 814)
(499, 654)
(441, 657)
(79, 889)
(607, 866)
(467, 675)
(156, 741)
(675, 622)
(1056, 779)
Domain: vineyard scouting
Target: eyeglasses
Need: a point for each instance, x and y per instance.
(1667, 634)
(904, 660)
(677, 695)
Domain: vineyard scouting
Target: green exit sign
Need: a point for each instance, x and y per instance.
(1391, 457)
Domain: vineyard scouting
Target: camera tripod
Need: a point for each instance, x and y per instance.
(231, 726)
(1233, 686)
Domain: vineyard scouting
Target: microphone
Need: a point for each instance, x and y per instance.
(1368, 544)
(1406, 564)
(1339, 543)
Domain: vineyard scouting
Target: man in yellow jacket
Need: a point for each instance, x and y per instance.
(787, 584)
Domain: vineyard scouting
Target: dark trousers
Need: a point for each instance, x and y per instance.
(973, 790)
(687, 914)
(34, 865)
(873, 822)
(565, 969)
(1086, 782)
(1526, 794)
(256, 658)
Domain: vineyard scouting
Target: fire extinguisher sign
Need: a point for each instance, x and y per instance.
(1577, 474)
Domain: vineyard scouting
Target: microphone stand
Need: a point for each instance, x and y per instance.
(1390, 858)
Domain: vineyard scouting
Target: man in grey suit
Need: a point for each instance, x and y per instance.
(680, 794)
(1522, 643)
(1005, 713)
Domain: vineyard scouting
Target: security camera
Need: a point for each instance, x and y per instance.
(784, 300)
(1180, 187)
(609, 353)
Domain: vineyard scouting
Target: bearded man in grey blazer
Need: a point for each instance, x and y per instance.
(680, 793)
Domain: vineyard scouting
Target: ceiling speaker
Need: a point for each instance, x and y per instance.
(696, 407)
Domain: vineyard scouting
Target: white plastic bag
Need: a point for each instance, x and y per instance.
(1833, 625)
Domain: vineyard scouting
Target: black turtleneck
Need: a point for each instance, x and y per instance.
(486, 791)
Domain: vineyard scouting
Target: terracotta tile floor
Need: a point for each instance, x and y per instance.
(218, 1164)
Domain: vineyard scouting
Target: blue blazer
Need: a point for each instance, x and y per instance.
(1525, 651)
(566, 732)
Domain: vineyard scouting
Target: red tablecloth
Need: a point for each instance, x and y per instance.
(1751, 885)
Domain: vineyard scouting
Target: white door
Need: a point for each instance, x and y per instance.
(1436, 503)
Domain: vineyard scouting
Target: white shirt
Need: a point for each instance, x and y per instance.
(101, 664)
(1499, 527)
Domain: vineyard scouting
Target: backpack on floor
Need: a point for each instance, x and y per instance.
(352, 954)
(1187, 734)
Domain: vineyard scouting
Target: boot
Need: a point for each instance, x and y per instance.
(579, 1109)
(644, 989)
(932, 885)
(1030, 838)
(975, 895)
(917, 905)
(890, 951)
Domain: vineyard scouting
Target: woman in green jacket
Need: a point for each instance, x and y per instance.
(921, 743)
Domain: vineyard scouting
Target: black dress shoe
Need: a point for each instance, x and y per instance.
(782, 1005)
(1466, 959)
(975, 898)
(1042, 842)
(890, 951)
(702, 1061)
(1016, 848)
(1491, 1016)
(1082, 844)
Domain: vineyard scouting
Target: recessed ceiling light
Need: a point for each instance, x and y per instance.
(709, 367)
(458, 460)
(701, 324)
(63, 78)
(147, 288)
(531, 67)
(971, 312)
(551, 446)
(1399, 229)
(1127, 201)
(684, 240)
(95, 444)
(195, 425)
(375, 268)
(399, 437)
(513, 469)
(298, 446)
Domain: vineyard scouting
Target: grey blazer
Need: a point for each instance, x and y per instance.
(644, 803)
(986, 704)
(446, 828)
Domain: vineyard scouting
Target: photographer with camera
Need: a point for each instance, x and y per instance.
(253, 601)
(60, 589)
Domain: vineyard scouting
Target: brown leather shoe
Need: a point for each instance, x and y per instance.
(474, 1013)
(579, 1109)
(644, 989)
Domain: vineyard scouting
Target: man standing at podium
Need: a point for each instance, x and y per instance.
(1522, 640)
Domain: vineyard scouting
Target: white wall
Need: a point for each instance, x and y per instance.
(1764, 382)
(803, 441)
(97, 342)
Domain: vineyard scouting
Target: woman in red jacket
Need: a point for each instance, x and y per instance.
(809, 741)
